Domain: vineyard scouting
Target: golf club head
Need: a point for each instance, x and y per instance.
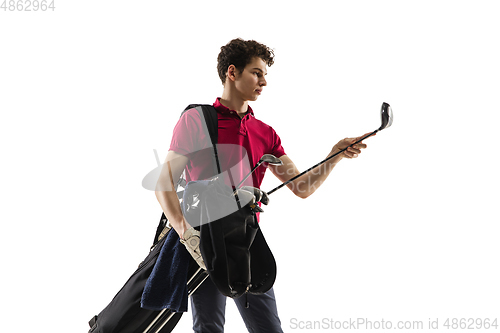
(386, 114)
(271, 159)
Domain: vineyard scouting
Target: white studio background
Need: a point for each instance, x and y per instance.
(408, 231)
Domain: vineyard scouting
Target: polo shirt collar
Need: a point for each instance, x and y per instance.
(225, 110)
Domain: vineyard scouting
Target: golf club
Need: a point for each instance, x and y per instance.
(386, 118)
(268, 158)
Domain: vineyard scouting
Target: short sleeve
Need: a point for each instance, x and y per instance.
(276, 147)
(188, 135)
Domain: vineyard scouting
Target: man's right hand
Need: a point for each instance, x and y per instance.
(191, 240)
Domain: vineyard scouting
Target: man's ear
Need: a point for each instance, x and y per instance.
(232, 73)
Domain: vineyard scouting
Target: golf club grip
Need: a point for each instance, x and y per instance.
(326, 159)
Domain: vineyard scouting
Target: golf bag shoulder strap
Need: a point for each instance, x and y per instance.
(210, 115)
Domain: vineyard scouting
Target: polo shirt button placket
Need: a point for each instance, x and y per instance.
(243, 126)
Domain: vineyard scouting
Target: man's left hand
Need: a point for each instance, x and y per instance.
(351, 152)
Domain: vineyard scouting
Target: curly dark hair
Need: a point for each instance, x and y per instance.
(239, 53)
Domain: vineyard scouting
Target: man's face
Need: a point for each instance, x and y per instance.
(250, 82)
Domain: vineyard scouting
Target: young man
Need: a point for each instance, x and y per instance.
(242, 67)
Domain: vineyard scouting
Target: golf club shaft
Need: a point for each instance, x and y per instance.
(326, 159)
(255, 167)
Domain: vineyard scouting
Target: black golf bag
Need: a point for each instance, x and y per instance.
(233, 247)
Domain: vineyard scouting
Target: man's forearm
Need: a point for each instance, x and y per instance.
(169, 202)
(312, 180)
(308, 183)
(166, 194)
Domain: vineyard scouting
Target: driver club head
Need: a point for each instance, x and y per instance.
(271, 159)
(386, 115)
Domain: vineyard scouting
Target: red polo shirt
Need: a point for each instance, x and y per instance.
(241, 143)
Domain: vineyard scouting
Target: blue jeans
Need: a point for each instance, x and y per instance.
(209, 307)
